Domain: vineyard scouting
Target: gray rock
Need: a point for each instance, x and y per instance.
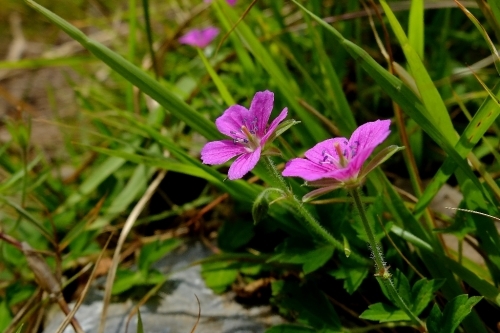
(176, 308)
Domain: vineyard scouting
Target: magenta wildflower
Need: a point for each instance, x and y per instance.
(249, 134)
(338, 162)
(199, 37)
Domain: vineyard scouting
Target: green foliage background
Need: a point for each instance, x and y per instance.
(418, 65)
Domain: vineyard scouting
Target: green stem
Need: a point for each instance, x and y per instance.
(382, 269)
(312, 224)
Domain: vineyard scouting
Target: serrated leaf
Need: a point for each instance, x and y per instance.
(295, 251)
(402, 286)
(454, 313)
(434, 320)
(383, 313)
(456, 310)
(317, 258)
(353, 276)
(423, 292)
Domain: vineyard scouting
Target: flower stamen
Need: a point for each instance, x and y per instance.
(342, 158)
(252, 141)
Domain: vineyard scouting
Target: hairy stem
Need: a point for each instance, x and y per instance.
(380, 265)
(311, 223)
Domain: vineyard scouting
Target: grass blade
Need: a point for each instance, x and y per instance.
(403, 96)
(435, 108)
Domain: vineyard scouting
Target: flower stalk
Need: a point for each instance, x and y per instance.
(311, 223)
(380, 264)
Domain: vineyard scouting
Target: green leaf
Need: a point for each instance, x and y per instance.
(317, 258)
(218, 275)
(402, 286)
(127, 279)
(416, 27)
(282, 128)
(140, 328)
(422, 293)
(434, 105)
(353, 276)
(383, 313)
(454, 313)
(288, 328)
(296, 251)
(155, 161)
(20, 329)
(456, 310)
(475, 130)
(307, 303)
(434, 320)
(152, 252)
(5, 315)
(234, 234)
(19, 292)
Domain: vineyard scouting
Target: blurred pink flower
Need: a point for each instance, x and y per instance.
(230, 2)
(248, 131)
(199, 37)
(337, 162)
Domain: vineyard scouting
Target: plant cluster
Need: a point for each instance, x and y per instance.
(294, 205)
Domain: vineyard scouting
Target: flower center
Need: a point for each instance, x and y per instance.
(247, 135)
(342, 158)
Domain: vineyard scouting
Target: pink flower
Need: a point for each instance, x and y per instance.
(230, 2)
(249, 134)
(338, 162)
(199, 37)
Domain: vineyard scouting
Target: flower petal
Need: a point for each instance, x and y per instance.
(232, 119)
(274, 124)
(261, 108)
(315, 154)
(219, 152)
(343, 175)
(365, 138)
(199, 37)
(243, 164)
(300, 167)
